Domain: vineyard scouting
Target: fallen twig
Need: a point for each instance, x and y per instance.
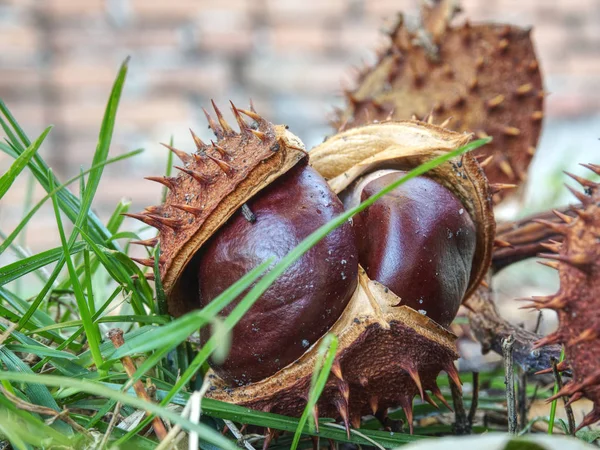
(116, 336)
(490, 330)
(568, 409)
(509, 381)
(474, 399)
(461, 424)
(44, 410)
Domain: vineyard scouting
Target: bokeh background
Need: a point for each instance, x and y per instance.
(58, 59)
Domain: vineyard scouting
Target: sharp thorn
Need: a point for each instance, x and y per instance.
(199, 177)
(446, 122)
(453, 374)
(502, 243)
(589, 334)
(169, 182)
(438, 394)
(213, 125)
(566, 219)
(224, 125)
(222, 165)
(147, 243)
(593, 167)
(148, 262)
(556, 227)
(259, 134)
(584, 199)
(414, 374)
(506, 168)
(200, 146)
(183, 156)
(252, 115)
(552, 264)
(497, 187)
(188, 209)
(239, 119)
(582, 181)
(486, 162)
(219, 149)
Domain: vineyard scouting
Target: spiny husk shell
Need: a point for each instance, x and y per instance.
(485, 77)
(383, 350)
(404, 145)
(213, 184)
(577, 302)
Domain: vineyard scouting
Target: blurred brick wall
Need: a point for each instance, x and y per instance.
(58, 59)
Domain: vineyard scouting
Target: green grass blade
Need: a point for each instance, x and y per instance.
(92, 331)
(20, 163)
(40, 351)
(37, 393)
(58, 190)
(206, 433)
(22, 267)
(555, 402)
(25, 142)
(327, 351)
(179, 329)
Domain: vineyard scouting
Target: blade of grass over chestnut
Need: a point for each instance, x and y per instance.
(327, 351)
(238, 312)
(206, 433)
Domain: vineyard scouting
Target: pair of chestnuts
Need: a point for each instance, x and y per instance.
(387, 282)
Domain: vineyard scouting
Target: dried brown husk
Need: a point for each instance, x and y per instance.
(485, 77)
(214, 183)
(577, 302)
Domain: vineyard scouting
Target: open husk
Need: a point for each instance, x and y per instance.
(387, 353)
(404, 145)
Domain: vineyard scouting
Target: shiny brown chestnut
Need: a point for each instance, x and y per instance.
(303, 303)
(418, 240)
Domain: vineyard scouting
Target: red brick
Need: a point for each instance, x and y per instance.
(313, 39)
(209, 78)
(18, 43)
(72, 8)
(85, 74)
(184, 10)
(313, 11)
(382, 8)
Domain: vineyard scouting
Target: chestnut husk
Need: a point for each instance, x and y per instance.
(483, 76)
(387, 353)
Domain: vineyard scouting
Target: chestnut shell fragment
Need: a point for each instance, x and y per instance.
(305, 301)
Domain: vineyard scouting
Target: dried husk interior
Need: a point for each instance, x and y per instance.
(404, 145)
(382, 347)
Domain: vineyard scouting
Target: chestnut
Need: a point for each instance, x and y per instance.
(418, 240)
(303, 303)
